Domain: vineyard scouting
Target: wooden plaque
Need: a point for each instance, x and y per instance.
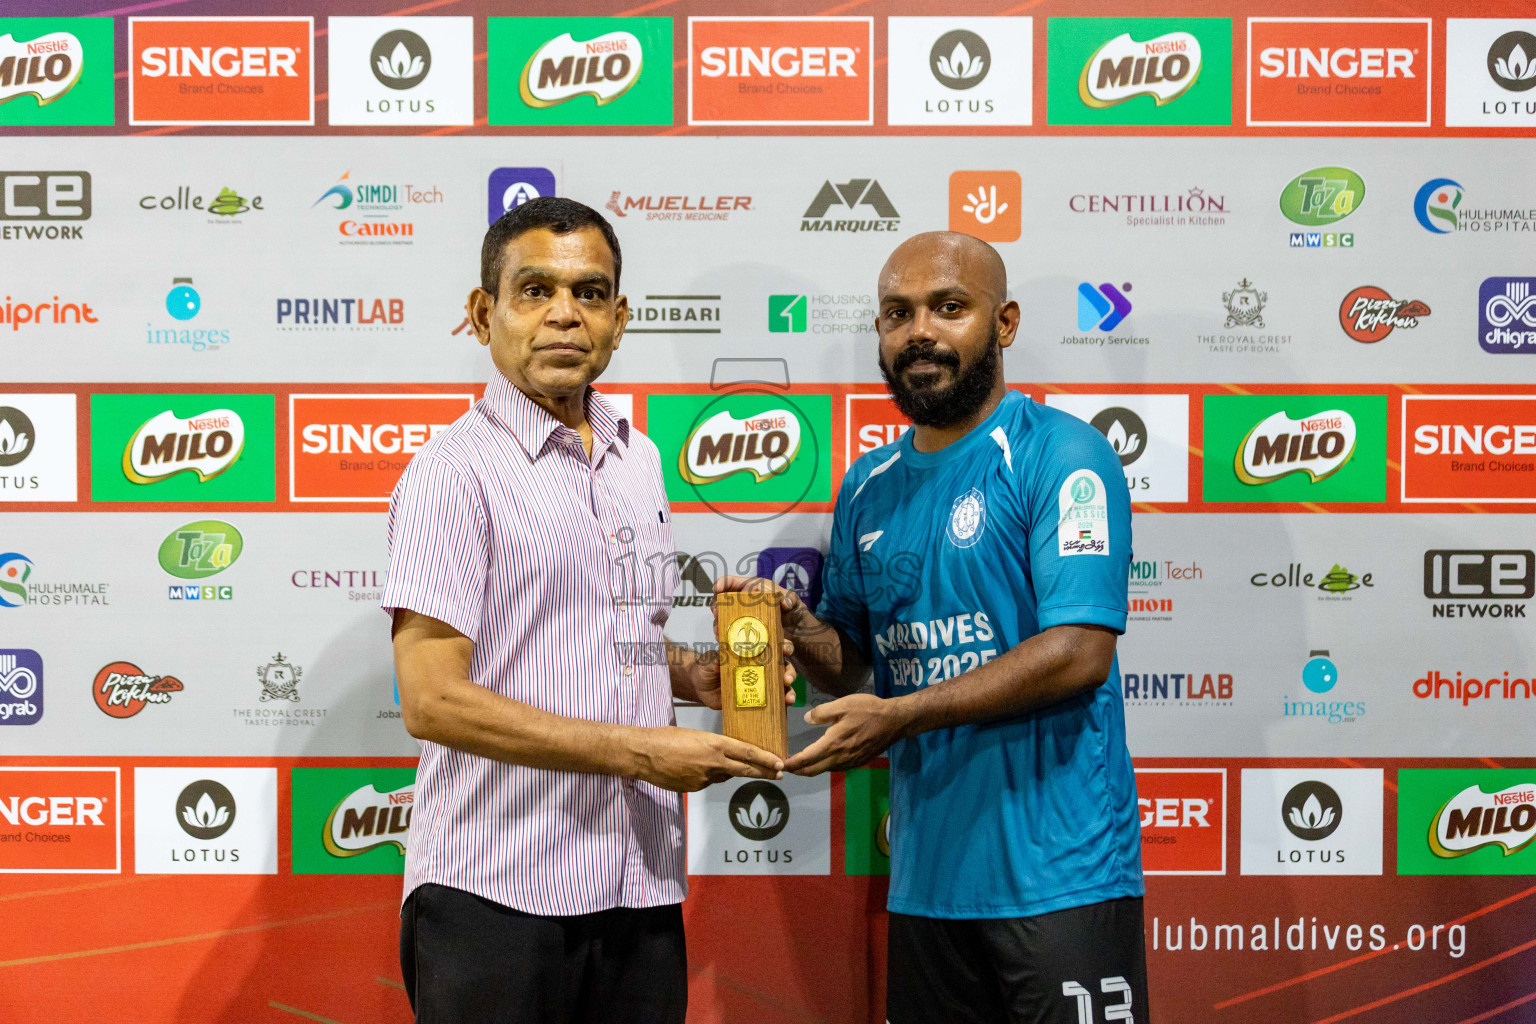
(751, 637)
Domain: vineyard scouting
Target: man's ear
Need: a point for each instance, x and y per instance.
(621, 319)
(479, 307)
(1007, 323)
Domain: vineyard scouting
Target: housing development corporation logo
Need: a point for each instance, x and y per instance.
(1339, 71)
(1295, 448)
(1118, 71)
(1478, 448)
(580, 71)
(221, 71)
(958, 70)
(1466, 821)
(401, 70)
(21, 687)
(56, 71)
(745, 70)
(1369, 314)
(1506, 315)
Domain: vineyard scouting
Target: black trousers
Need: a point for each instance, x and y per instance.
(467, 959)
(1083, 965)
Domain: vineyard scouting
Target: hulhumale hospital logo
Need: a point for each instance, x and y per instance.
(1435, 205)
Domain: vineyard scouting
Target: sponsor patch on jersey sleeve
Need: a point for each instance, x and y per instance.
(1083, 527)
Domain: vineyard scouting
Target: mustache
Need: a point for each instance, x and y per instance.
(923, 350)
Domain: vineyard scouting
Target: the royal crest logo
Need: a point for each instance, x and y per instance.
(46, 67)
(967, 518)
(604, 68)
(279, 679)
(122, 689)
(367, 819)
(764, 444)
(1163, 68)
(168, 444)
(1473, 819)
(1278, 446)
(1245, 305)
(1369, 314)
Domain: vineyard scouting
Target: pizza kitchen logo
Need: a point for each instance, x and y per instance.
(122, 689)
(1368, 314)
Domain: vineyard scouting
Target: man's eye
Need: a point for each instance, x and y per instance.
(950, 307)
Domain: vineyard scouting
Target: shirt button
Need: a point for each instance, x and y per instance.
(629, 670)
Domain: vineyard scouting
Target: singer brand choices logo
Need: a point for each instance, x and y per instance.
(71, 815)
(1295, 448)
(780, 70)
(580, 71)
(1466, 821)
(351, 821)
(1477, 448)
(56, 71)
(1338, 71)
(1120, 71)
(231, 71)
(1183, 820)
(182, 447)
(354, 447)
(768, 450)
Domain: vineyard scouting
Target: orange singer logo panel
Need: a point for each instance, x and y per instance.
(354, 447)
(780, 71)
(60, 820)
(230, 71)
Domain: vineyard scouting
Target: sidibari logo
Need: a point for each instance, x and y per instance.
(1322, 196)
(46, 67)
(1473, 819)
(168, 444)
(122, 689)
(1318, 445)
(367, 819)
(764, 444)
(201, 549)
(604, 68)
(1163, 68)
(1369, 314)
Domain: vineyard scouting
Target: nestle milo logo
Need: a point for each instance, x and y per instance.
(764, 445)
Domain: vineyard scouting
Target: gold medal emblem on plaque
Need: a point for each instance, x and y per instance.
(747, 637)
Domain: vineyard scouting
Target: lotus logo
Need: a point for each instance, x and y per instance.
(400, 59)
(1312, 811)
(758, 810)
(1512, 61)
(16, 434)
(205, 809)
(960, 59)
(1435, 205)
(1125, 431)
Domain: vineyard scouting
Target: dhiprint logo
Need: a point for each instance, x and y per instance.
(1369, 314)
(759, 810)
(1435, 206)
(1102, 308)
(960, 59)
(205, 809)
(400, 59)
(1506, 317)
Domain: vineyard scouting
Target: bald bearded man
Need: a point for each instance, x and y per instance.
(978, 566)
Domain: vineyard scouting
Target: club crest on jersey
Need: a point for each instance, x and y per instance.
(967, 519)
(1083, 526)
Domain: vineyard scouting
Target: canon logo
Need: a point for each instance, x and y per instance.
(1341, 62)
(51, 810)
(383, 438)
(778, 62)
(223, 61)
(1476, 439)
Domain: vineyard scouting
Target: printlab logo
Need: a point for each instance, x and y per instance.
(56, 71)
(1102, 308)
(205, 809)
(758, 811)
(1312, 811)
(859, 196)
(400, 59)
(1506, 317)
(987, 204)
(122, 689)
(1369, 314)
(279, 679)
(21, 687)
(1435, 206)
(511, 187)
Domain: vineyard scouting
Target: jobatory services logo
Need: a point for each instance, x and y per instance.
(861, 198)
(987, 204)
(1322, 197)
(196, 447)
(221, 71)
(1343, 72)
(223, 206)
(377, 212)
(1368, 314)
(37, 447)
(1183, 820)
(1150, 434)
(60, 820)
(1276, 448)
(121, 689)
(1490, 70)
(1479, 584)
(770, 70)
(394, 71)
(21, 686)
(1312, 821)
(205, 821)
(511, 187)
(1101, 309)
(675, 314)
(1506, 315)
(959, 71)
(44, 205)
(353, 447)
(56, 71)
(1139, 71)
(755, 827)
(1461, 448)
(352, 821)
(579, 71)
(1466, 821)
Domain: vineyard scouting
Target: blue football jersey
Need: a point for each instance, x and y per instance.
(942, 561)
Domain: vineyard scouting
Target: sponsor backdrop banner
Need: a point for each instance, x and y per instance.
(1282, 262)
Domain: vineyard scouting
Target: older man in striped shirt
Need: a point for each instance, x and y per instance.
(545, 866)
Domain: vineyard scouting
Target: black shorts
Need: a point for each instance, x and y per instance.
(1083, 965)
(467, 960)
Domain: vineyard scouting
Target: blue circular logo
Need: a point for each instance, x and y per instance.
(1436, 203)
(1319, 675)
(183, 302)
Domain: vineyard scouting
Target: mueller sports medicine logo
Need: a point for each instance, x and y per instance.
(1506, 313)
(1479, 584)
(1163, 68)
(49, 205)
(780, 70)
(764, 444)
(1317, 445)
(862, 197)
(122, 689)
(354, 447)
(167, 444)
(46, 67)
(1338, 71)
(1369, 314)
(231, 71)
(1469, 448)
(678, 207)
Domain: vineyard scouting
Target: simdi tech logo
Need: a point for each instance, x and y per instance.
(1124, 71)
(1278, 448)
(350, 447)
(579, 71)
(745, 70)
(745, 449)
(221, 71)
(1469, 448)
(1466, 821)
(1341, 72)
(56, 71)
(183, 447)
(390, 71)
(73, 816)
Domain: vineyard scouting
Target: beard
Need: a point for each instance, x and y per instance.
(941, 405)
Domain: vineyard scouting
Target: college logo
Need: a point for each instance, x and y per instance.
(851, 196)
(1435, 206)
(754, 827)
(780, 70)
(967, 518)
(279, 679)
(122, 689)
(1083, 525)
(976, 207)
(1183, 820)
(1466, 821)
(1490, 68)
(144, 449)
(56, 71)
(1298, 821)
(1120, 71)
(1506, 314)
(21, 687)
(675, 314)
(765, 449)
(37, 447)
(205, 821)
(1369, 314)
(978, 70)
(511, 187)
(230, 71)
(1150, 434)
(354, 447)
(71, 814)
(401, 70)
(1295, 448)
(227, 204)
(37, 196)
(1479, 584)
(579, 71)
(1336, 582)
(1102, 308)
(1338, 71)
(1479, 448)
(352, 821)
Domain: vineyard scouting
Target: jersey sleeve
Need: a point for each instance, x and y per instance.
(842, 578)
(439, 547)
(1080, 531)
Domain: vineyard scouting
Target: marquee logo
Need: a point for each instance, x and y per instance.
(764, 444)
(1339, 71)
(73, 815)
(367, 819)
(744, 70)
(580, 71)
(1466, 821)
(167, 444)
(1369, 314)
(56, 71)
(122, 689)
(221, 71)
(1506, 315)
(604, 68)
(1295, 448)
(854, 196)
(1184, 689)
(1163, 68)
(1118, 71)
(350, 447)
(1478, 448)
(1318, 445)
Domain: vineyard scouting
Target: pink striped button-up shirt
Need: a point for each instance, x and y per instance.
(504, 528)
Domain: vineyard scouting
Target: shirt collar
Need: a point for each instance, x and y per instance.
(533, 425)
